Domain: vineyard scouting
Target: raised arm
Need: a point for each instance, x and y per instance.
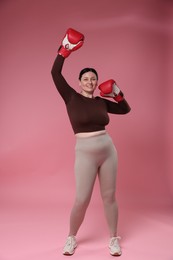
(61, 84)
(72, 41)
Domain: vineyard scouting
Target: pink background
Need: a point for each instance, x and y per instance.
(128, 40)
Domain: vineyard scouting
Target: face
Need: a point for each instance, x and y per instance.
(88, 82)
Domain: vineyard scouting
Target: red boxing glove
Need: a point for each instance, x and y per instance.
(110, 89)
(72, 41)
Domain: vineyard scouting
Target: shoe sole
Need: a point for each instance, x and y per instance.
(68, 253)
(116, 254)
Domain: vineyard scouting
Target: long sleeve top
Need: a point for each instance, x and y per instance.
(85, 114)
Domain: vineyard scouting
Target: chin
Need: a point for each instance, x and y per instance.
(91, 91)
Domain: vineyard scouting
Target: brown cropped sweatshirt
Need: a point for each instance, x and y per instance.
(85, 114)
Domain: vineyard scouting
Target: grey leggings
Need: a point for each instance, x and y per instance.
(95, 155)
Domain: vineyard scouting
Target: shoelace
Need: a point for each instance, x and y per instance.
(69, 241)
(113, 239)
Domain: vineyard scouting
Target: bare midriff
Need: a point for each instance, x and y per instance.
(88, 134)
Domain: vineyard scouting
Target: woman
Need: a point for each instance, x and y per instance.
(95, 153)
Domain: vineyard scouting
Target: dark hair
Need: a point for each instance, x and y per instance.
(87, 70)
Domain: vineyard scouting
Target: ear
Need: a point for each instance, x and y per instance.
(79, 83)
(97, 84)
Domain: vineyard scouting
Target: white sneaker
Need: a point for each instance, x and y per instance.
(114, 247)
(70, 246)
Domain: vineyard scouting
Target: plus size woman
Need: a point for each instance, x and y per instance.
(95, 153)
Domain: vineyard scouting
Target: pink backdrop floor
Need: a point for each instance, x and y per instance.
(36, 230)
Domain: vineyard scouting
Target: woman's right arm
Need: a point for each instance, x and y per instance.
(72, 41)
(61, 84)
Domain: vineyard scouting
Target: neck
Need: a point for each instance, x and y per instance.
(85, 94)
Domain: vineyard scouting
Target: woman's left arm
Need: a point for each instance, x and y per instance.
(121, 107)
